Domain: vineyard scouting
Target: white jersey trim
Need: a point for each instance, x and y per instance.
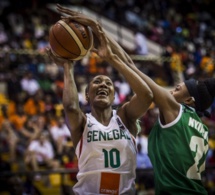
(174, 121)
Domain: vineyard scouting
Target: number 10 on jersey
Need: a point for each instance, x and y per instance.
(112, 158)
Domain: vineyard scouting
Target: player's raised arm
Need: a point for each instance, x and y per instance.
(75, 119)
(142, 99)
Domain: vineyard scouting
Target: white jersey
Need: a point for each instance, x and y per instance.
(106, 159)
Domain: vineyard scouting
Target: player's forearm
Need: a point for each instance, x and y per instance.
(137, 84)
(124, 57)
(160, 94)
(70, 93)
(118, 50)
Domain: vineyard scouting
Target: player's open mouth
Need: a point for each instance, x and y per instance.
(102, 92)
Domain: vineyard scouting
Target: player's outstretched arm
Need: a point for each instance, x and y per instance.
(142, 99)
(74, 116)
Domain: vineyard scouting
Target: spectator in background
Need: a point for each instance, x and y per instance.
(45, 83)
(60, 135)
(39, 26)
(29, 131)
(3, 34)
(166, 65)
(93, 64)
(29, 84)
(197, 57)
(143, 141)
(11, 139)
(40, 153)
(123, 89)
(58, 87)
(70, 161)
(177, 66)
(13, 85)
(49, 104)
(17, 24)
(43, 42)
(18, 99)
(141, 47)
(18, 139)
(143, 161)
(35, 104)
(3, 114)
(207, 65)
(19, 118)
(145, 180)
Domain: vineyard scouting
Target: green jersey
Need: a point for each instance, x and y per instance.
(178, 152)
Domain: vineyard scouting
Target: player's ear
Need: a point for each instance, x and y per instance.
(190, 101)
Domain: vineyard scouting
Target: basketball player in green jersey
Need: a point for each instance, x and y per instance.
(178, 142)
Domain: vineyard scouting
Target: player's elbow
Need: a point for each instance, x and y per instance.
(148, 95)
(71, 107)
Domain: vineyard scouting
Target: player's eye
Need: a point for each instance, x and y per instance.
(96, 82)
(108, 83)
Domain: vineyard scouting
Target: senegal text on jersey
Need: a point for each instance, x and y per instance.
(115, 134)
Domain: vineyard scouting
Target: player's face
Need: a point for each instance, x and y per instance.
(101, 91)
(180, 93)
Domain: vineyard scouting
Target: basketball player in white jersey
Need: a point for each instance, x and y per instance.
(104, 139)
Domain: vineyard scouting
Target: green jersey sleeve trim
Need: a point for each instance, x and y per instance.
(174, 121)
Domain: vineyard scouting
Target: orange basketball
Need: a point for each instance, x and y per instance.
(69, 39)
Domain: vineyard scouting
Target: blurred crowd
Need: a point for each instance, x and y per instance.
(185, 29)
(32, 125)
